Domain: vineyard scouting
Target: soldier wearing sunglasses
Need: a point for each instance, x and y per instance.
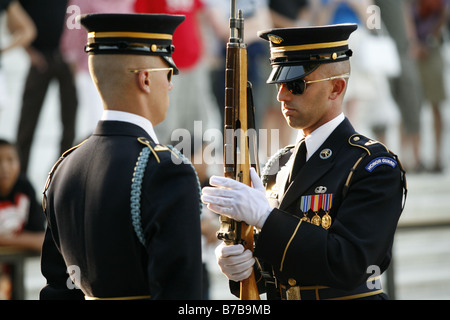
(327, 208)
(120, 206)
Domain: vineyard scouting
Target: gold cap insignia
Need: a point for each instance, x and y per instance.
(275, 39)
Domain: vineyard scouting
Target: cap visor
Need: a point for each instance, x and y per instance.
(283, 73)
(171, 63)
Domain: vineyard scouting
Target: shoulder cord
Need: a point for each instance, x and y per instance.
(136, 186)
(350, 175)
(276, 157)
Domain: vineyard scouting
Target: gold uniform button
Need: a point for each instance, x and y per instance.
(292, 282)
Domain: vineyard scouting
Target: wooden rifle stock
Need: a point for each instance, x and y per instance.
(238, 115)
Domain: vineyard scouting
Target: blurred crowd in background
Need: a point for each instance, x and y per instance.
(398, 69)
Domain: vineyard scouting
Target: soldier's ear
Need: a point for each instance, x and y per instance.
(144, 81)
(339, 86)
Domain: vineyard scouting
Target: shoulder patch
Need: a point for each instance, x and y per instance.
(358, 140)
(380, 161)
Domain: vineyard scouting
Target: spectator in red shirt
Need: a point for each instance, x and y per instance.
(21, 216)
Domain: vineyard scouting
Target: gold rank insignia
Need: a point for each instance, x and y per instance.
(156, 148)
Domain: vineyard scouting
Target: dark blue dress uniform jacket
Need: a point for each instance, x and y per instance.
(89, 222)
(364, 219)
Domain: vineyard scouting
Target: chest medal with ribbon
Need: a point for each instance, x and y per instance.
(315, 203)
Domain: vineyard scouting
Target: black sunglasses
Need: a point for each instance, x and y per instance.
(299, 86)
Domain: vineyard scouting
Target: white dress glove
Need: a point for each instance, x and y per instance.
(237, 200)
(235, 262)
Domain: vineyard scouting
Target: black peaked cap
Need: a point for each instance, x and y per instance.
(296, 52)
(143, 34)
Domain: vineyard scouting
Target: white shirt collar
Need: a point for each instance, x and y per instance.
(318, 136)
(113, 115)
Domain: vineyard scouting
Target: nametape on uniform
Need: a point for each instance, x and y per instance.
(380, 161)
